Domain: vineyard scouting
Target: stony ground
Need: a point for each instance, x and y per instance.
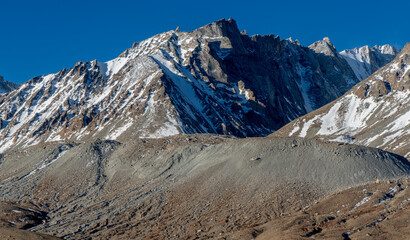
(16, 217)
(186, 187)
(371, 211)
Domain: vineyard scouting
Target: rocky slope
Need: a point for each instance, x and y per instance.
(375, 112)
(371, 211)
(16, 217)
(214, 79)
(6, 86)
(365, 60)
(183, 186)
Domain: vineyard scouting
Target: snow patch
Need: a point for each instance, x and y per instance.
(306, 127)
(294, 130)
(120, 130)
(329, 121)
(363, 201)
(343, 139)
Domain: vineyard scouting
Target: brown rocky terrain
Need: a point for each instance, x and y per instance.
(377, 210)
(371, 211)
(16, 217)
(184, 187)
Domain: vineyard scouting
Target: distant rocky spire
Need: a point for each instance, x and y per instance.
(324, 46)
(6, 86)
(326, 39)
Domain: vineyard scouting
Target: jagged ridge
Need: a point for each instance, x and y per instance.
(365, 60)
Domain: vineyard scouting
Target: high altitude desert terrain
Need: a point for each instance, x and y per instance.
(211, 134)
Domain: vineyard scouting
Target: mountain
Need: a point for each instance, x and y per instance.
(365, 60)
(214, 79)
(375, 112)
(6, 86)
(157, 143)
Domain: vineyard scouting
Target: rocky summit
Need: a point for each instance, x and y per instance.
(6, 86)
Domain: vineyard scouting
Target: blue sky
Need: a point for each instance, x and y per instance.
(41, 37)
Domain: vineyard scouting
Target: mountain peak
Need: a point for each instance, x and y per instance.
(366, 60)
(221, 28)
(327, 39)
(324, 46)
(6, 86)
(406, 49)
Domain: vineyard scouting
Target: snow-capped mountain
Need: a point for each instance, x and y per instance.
(214, 79)
(6, 86)
(365, 60)
(375, 112)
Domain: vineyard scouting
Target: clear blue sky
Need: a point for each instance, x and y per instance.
(41, 37)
